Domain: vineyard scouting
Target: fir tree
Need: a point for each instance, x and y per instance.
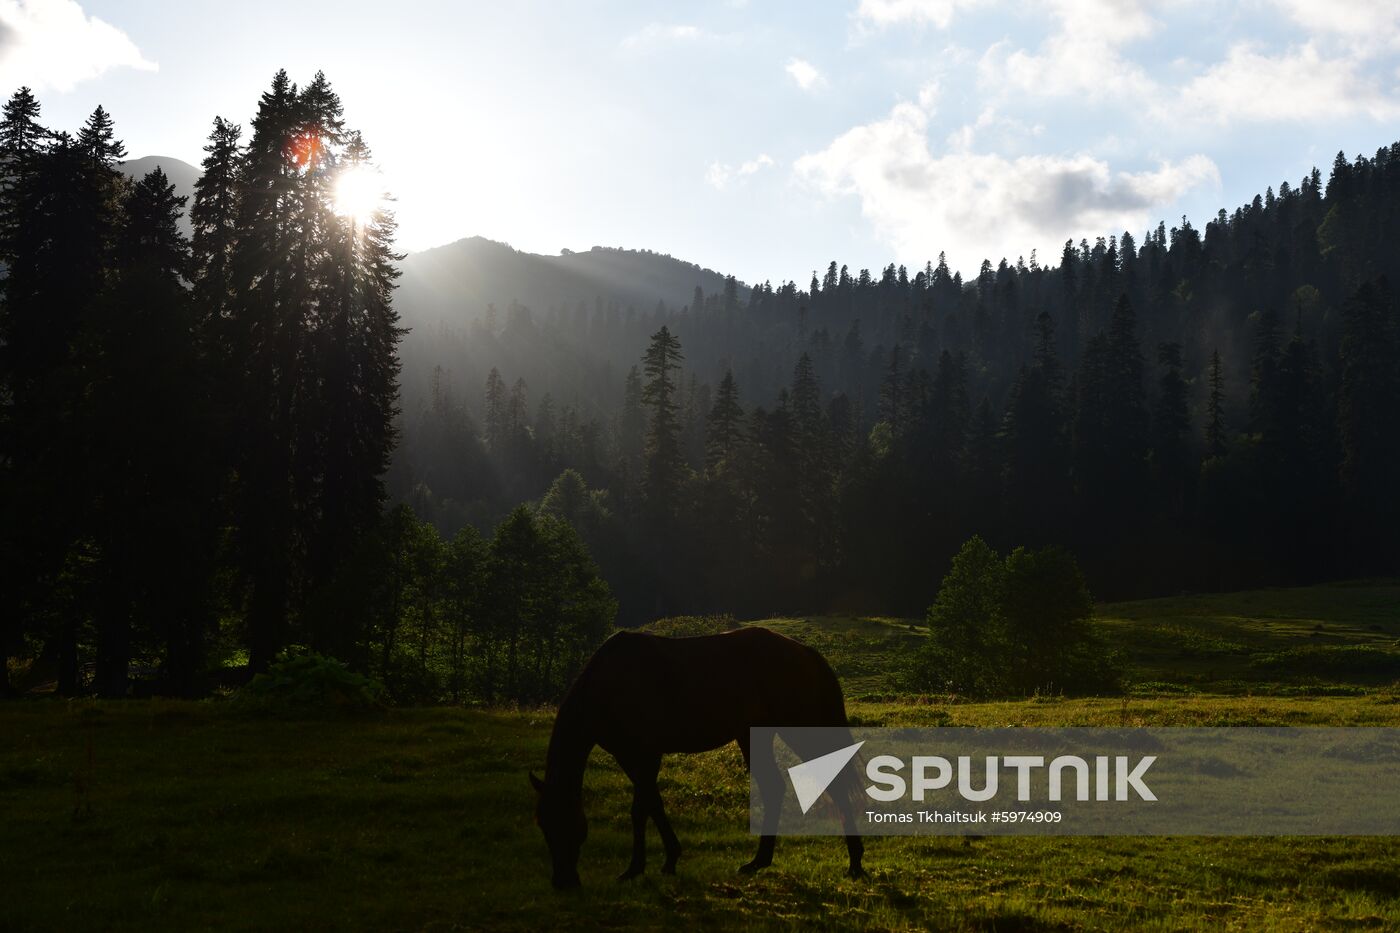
(724, 425)
(664, 464)
(1216, 443)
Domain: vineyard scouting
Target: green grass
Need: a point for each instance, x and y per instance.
(158, 815)
(1278, 640)
(1335, 638)
(191, 818)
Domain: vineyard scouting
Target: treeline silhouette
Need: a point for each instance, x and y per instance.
(1189, 410)
(194, 433)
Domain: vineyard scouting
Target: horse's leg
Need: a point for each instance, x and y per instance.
(855, 846)
(642, 769)
(663, 826)
(763, 765)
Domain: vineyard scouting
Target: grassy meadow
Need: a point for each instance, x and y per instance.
(166, 815)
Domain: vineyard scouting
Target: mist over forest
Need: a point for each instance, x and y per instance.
(237, 421)
(1201, 405)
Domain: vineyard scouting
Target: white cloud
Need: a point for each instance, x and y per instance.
(1299, 84)
(720, 174)
(804, 73)
(54, 44)
(655, 34)
(881, 13)
(994, 127)
(1367, 24)
(978, 206)
(1081, 55)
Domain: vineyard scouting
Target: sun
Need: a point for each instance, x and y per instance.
(359, 194)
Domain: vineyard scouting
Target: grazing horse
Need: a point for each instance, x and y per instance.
(642, 696)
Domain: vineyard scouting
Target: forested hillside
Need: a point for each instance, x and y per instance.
(1189, 407)
(199, 437)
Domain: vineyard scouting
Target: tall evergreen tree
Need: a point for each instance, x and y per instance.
(664, 463)
(1216, 443)
(1171, 429)
(270, 322)
(355, 358)
(155, 517)
(98, 140)
(1368, 398)
(724, 425)
(214, 219)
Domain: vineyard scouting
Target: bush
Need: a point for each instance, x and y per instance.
(309, 683)
(1017, 626)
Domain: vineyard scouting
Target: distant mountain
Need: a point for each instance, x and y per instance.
(455, 283)
(181, 174)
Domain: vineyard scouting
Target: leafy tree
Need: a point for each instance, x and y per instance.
(1012, 626)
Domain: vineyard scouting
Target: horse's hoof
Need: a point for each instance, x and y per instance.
(855, 873)
(669, 868)
(748, 868)
(630, 873)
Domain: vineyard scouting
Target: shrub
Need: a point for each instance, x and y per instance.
(1013, 627)
(301, 681)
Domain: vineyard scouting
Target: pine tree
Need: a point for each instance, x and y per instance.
(98, 141)
(354, 357)
(22, 141)
(984, 467)
(806, 406)
(950, 415)
(724, 426)
(1367, 401)
(21, 136)
(156, 518)
(1035, 441)
(57, 271)
(270, 336)
(496, 416)
(664, 463)
(1171, 427)
(1263, 411)
(1216, 443)
(214, 219)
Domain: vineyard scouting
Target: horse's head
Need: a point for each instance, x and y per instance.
(565, 828)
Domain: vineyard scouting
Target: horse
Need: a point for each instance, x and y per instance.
(642, 696)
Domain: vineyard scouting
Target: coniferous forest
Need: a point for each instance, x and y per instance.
(1183, 409)
(219, 447)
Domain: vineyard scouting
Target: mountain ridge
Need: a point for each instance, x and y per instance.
(458, 280)
(467, 275)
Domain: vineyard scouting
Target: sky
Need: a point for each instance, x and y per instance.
(760, 138)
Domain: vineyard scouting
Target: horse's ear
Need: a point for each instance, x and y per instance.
(536, 783)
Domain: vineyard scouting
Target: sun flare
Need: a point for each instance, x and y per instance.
(359, 193)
